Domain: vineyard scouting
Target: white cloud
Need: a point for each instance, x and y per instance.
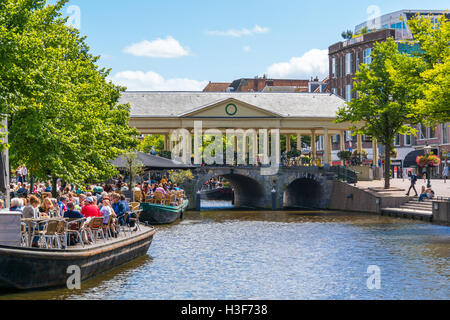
(312, 63)
(152, 81)
(246, 48)
(159, 48)
(239, 33)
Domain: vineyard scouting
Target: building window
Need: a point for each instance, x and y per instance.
(334, 91)
(407, 140)
(367, 59)
(397, 140)
(422, 132)
(348, 136)
(348, 64)
(431, 133)
(444, 134)
(357, 61)
(348, 92)
(334, 138)
(333, 67)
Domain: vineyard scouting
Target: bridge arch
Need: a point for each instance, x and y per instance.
(248, 192)
(306, 192)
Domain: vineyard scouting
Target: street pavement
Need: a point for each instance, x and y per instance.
(440, 188)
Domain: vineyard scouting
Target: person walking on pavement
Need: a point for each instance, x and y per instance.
(445, 173)
(413, 184)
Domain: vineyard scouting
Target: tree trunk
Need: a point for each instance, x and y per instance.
(31, 182)
(387, 167)
(54, 191)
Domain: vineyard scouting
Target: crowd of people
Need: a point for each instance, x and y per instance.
(72, 201)
(147, 189)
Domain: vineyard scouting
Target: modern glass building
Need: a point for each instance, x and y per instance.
(398, 21)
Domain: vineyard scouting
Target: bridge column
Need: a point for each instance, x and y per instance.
(342, 144)
(375, 152)
(189, 147)
(255, 146)
(330, 149)
(313, 146)
(359, 141)
(288, 143)
(299, 142)
(166, 142)
(326, 147)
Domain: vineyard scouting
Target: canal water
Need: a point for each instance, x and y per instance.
(285, 255)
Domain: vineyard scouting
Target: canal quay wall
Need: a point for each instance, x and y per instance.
(441, 212)
(312, 187)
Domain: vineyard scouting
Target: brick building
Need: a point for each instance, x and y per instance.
(344, 60)
(257, 84)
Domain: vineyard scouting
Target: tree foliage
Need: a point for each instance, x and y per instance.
(434, 41)
(154, 140)
(385, 91)
(347, 34)
(180, 176)
(63, 117)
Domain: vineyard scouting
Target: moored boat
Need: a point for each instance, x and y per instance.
(158, 214)
(23, 268)
(218, 194)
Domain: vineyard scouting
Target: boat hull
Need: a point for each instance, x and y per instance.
(154, 214)
(226, 194)
(26, 268)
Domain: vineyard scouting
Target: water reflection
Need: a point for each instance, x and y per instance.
(284, 255)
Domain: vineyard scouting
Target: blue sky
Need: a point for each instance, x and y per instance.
(180, 45)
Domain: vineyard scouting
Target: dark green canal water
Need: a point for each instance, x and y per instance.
(286, 255)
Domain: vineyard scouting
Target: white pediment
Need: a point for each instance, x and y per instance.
(230, 108)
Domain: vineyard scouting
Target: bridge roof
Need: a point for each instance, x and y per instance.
(177, 104)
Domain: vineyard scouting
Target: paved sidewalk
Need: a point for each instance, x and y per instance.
(440, 188)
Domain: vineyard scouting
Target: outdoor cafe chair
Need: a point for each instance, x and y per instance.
(95, 228)
(170, 200)
(134, 219)
(107, 227)
(134, 206)
(74, 228)
(23, 234)
(158, 197)
(49, 236)
(138, 196)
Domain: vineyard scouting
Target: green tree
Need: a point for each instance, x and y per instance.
(63, 117)
(385, 90)
(151, 141)
(434, 41)
(134, 167)
(347, 34)
(180, 176)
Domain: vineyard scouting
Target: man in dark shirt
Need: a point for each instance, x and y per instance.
(71, 213)
(413, 185)
(119, 208)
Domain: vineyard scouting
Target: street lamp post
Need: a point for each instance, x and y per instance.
(427, 150)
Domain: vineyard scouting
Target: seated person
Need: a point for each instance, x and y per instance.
(428, 193)
(71, 213)
(16, 205)
(90, 209)
(119, 208)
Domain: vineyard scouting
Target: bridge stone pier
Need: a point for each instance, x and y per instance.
(294, 187)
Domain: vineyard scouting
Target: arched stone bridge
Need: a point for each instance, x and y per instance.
(295, 187)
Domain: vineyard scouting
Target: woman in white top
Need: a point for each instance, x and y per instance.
(106, 212)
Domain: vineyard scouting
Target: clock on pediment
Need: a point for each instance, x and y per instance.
(231, 109)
